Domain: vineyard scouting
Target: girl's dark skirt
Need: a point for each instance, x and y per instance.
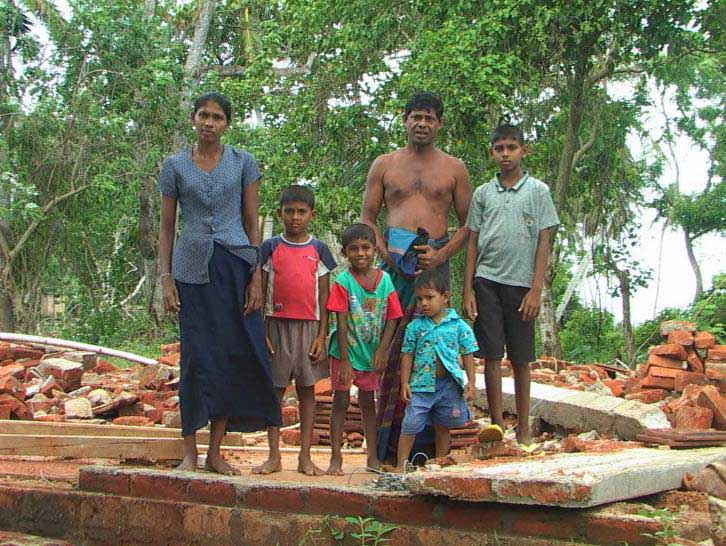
(225, 369)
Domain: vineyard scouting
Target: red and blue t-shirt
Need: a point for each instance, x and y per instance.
(293, 270)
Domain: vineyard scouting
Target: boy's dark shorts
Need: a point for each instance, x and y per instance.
(446, 407)
(499, 323)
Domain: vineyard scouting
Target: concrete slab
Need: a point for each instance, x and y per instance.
(581, 410)
(573, 480)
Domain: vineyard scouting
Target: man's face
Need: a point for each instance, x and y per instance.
(422, 126)
(508, 153)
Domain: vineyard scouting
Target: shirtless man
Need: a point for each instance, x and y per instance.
(417, 185)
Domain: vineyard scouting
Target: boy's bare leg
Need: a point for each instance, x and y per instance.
(493, 382)
(306, 397)
(274, 460)
(443, 440)
(521, 397)
(215, 463)
(189, 460)
(405, 445)
(368, 410)
(341, 401)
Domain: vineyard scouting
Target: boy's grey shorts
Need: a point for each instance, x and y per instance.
(291, 340)
(499, 323)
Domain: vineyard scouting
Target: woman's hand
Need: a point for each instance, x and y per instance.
(253, 294)
(171, 296)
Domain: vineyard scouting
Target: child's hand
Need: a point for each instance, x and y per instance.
(380, 360)
(530, 304)
(406, 392)
(470, 392)
(346, 372)
(470, 305)
(317, 350)
(270, 348)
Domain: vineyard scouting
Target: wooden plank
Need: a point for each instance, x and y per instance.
(92, 447)
(123, 431)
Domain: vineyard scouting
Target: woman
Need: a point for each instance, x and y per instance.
(213, 282)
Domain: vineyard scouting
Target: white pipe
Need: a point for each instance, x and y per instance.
(24, 338)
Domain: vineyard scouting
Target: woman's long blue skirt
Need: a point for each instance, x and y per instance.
(225, 368)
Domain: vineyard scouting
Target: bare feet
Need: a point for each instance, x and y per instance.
(524, 438)
(273, 464)
(188, 464)
(220, 466)
(336, 466)
(374, 464)
(306, 466)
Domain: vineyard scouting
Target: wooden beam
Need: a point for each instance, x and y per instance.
(124, 431)
(82, 447)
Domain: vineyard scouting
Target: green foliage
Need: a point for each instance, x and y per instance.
(667, 520)
(367, 531)
(590, 335)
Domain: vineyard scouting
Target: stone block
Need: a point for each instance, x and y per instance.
(67, 373)
(88, 359)
(710, 398)
(688, 378)
(681, 338)
(670, 350)
(78, 408)
(99, 397)
(669, 326)
(665, 362)
(694, 417)
(717, 353)
(717, 509)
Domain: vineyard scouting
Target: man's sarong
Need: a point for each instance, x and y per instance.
(391, 408)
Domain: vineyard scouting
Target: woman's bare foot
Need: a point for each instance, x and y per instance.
(336, 466)
(524, 438)
(188, 464)
(374, 464)
(306, 466)
(271, 465)
(220, 466)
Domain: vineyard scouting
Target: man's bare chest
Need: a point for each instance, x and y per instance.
(401, 184)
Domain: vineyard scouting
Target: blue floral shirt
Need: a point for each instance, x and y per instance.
(446, 341)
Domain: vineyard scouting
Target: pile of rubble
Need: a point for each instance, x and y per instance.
(37, 383)
(686, 375)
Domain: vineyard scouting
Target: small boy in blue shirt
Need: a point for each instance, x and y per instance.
(433, 383)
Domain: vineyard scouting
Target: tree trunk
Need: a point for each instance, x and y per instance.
(694, 265)
(625, 295)
(548, 327)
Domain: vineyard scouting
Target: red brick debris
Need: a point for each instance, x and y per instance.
(685, 374)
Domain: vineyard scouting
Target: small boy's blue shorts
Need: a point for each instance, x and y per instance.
(446, 407)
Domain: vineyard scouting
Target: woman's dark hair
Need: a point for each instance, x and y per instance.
(219, 98)
(425, 101)
(357, 231)
(297, 193)
(434, 279)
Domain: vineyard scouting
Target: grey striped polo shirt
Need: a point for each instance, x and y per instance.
(508, 221)
(211, 210)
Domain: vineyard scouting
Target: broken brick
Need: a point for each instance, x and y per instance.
(648, 396)
(694, 360)
(704, 340)
(653, 382)
(616, 386)
(171, 348)
(688, 378)
(671, 350)
(714, 370)
(663, 372)
(710, 398)
(17, 408)
(52, 418)
(103, 367)
(78, 408)
(10, 385)
(5, 411)
(290, 415)
(67, 373)
(490, 450)
(694, 417)
(669, 326)
(171, 359)
(665, 362)
(681, 338)
(16, 370)
(717, 353)
(26, 352)
(292, 437)
(133, 421)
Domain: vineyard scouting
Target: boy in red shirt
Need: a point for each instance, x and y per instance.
(295, 286)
